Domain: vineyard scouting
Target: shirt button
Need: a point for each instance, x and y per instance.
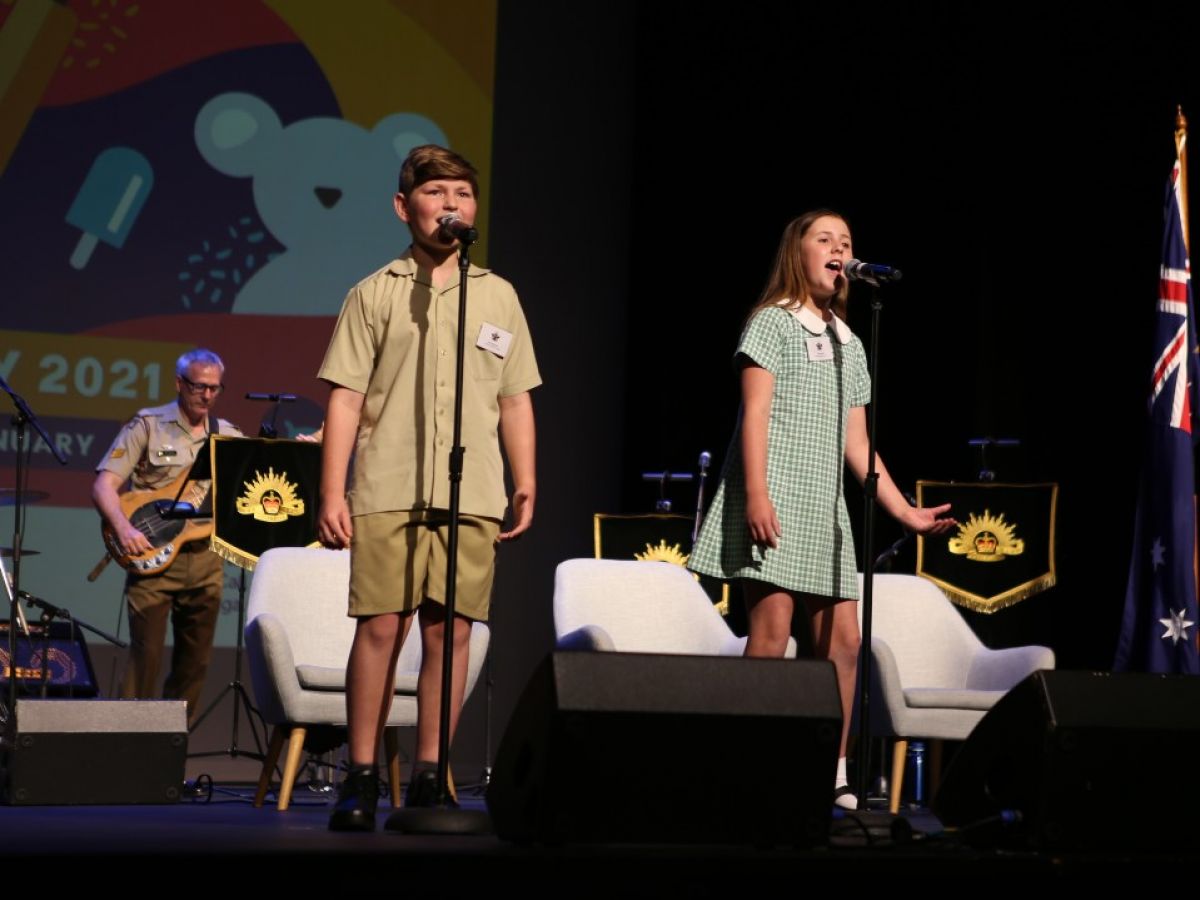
(441, 353)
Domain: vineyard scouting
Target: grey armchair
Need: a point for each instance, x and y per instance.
(638, 607)
(298, 639)
(935, 678)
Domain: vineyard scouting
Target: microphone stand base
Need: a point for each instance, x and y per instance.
(439, 820)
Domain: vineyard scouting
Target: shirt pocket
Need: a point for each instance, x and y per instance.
(484, 365)
(164, 459)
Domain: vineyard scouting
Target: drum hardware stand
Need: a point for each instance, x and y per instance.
(22, 418)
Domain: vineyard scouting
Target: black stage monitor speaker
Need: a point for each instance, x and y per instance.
(1081, 760)
(78, 752)
(648, 748)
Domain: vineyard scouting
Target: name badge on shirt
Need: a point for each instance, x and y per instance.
(819, 348)
(494, 338)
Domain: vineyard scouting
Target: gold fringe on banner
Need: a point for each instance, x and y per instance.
(240, 558)
(1000, 601)
(232, 554)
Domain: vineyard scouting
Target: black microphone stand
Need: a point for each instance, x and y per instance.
(443, 818)
(986, 472)
(24, 416)
(241, 698)
(871, 493)
(662, 504)
(268, 429)
(705, 460)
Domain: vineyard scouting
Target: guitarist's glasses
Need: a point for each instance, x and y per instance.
(197, 388)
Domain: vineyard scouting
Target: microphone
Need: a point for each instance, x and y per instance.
(455, 229)
(854, 270)
(274, 398)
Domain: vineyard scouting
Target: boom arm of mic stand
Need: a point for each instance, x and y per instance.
(52, 611)
(891, 551)
(27, 415)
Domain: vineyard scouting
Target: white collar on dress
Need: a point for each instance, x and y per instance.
(817, 325)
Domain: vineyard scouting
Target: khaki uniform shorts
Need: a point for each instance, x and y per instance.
(398, 559)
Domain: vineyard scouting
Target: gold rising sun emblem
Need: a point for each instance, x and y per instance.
(663, 553)
(270, 498)
(986, 538)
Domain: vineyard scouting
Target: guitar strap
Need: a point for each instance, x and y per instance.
(214, 427)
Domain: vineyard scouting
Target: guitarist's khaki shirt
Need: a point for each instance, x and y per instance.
(155, 446)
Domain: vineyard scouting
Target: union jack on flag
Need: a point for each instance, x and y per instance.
(1159, 628)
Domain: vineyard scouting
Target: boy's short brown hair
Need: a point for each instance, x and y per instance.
(430, 162)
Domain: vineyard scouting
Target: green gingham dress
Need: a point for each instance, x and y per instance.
(806, 442)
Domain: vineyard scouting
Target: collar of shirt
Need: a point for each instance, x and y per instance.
(405, 266)
(814, 323)
(176, 416)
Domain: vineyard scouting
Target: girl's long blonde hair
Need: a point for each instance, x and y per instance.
(787, 280)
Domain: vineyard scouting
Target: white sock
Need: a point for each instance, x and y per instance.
(847, 800)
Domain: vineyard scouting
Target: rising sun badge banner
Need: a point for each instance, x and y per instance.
(264, 496)
(1003, 548)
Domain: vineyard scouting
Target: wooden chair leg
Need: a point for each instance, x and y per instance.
(899, 755)
(291, 768)
(391, 751)
(268, 769)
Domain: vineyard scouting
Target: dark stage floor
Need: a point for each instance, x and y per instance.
(225, 840)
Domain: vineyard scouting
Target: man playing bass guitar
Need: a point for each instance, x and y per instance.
(152, 452)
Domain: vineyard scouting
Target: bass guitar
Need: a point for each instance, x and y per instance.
(147, 511)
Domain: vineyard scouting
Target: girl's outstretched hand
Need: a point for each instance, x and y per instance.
(930, 519)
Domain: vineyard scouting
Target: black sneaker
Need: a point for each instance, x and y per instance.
(422, 791)
(357, 799)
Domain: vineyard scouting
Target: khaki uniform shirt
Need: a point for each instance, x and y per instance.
(395, 342)
(155, 446)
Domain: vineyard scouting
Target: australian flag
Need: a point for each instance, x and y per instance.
(1158, 632)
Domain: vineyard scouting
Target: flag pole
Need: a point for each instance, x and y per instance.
(1181, 155)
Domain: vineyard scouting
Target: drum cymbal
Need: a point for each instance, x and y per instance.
(7, 552)
(8, 496)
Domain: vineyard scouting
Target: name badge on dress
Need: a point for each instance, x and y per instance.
(494, 338)
(819, 348)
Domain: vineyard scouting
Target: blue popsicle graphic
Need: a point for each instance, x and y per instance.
(112, 195)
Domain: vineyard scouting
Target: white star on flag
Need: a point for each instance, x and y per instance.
(1176, 626)
(1158, 553)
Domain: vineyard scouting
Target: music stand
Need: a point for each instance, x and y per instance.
(263, 496)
